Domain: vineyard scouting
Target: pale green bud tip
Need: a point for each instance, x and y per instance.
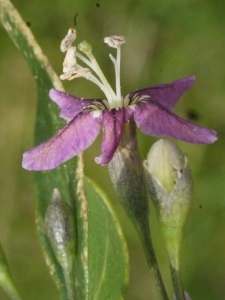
(60, 228)
(165, 162)
(85, 47)
(170, 186)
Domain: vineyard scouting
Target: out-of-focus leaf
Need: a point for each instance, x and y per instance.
(48, 122)
(5, 278)
(107, 251)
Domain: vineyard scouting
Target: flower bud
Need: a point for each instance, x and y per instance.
(127, 175)
(60, 228)
(166, 162)
(169, 182)
(170, 186)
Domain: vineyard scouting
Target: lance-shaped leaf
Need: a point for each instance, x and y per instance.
(47, 122)
(108, 257)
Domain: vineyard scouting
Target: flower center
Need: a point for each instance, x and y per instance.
(72, 69)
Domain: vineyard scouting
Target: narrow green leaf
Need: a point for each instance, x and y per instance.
(107, 250)
(48, 122)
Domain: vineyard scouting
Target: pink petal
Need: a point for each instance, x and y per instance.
(75, 137)
(113, 122)
(168, 94)
(70, 105)
(156, 120)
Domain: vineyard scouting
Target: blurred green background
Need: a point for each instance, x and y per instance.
(165, 40)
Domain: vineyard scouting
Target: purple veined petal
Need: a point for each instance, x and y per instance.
(70, 105)
(168, 94)
(75, 137)
(113, 123)
(155, 120)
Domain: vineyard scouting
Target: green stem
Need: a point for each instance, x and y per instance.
(177, 283)
(70, 287)
(173, 248)
(146, 241)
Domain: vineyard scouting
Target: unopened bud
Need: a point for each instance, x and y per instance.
(127, 175)
(114, 41)
(60, 227)
(170, 186)
(166, 163)
(68, 40)
(168, 174)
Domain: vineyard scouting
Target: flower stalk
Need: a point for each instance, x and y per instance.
(127, 176)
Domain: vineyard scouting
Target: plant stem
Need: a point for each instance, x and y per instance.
(146, 241)
(174, 258)
(69, 279)
(177, 283)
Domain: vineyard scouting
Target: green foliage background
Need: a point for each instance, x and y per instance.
(165, 40)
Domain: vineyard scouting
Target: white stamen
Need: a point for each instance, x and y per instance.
(70, 60)
(98, 71)
(68, 40)
(72, 70)
(115, 41)
(116, 63)
(75, 72)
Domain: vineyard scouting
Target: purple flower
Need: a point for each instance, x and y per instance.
(150, 108)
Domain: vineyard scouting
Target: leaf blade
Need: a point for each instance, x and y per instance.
(47, 124)
(107, 250)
